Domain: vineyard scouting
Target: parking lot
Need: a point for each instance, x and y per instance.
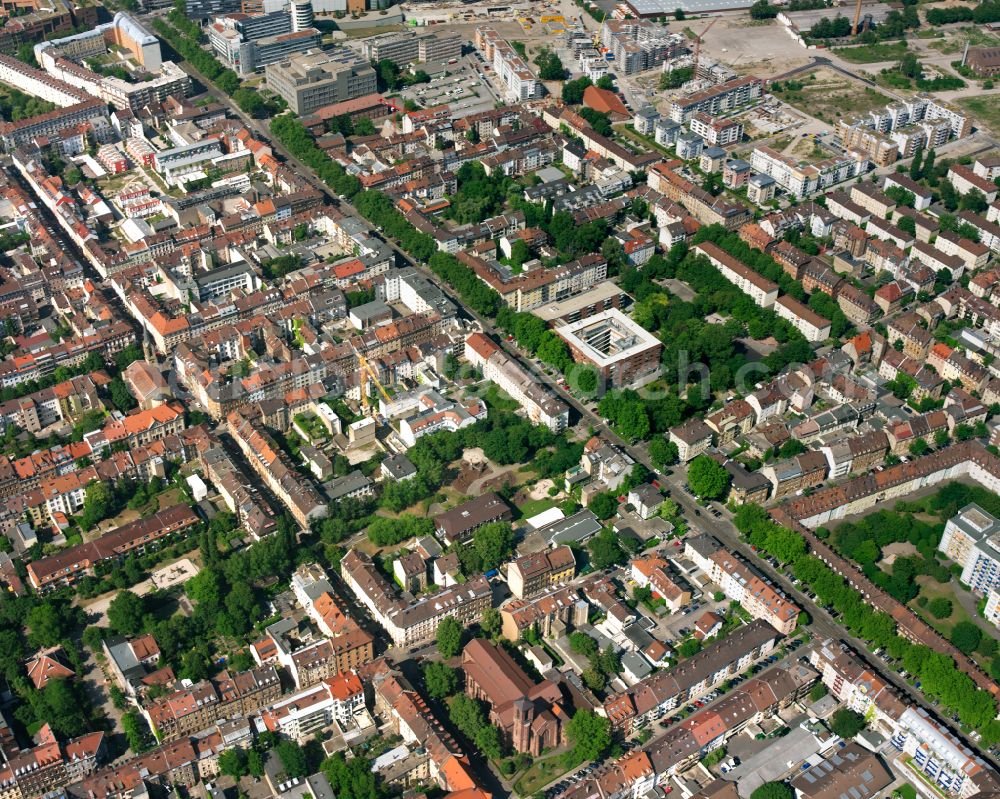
(463, 88)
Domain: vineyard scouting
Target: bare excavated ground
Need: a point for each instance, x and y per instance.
(763, 49)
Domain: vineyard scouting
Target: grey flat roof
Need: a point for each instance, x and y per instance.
(647, 8)
(578, 527)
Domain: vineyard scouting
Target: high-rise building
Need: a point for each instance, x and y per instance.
(302, 14)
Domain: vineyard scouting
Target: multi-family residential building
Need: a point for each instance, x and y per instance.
(515, 76)
(809, 323)
(299, 716)
(971, 539)
(717, 99)
(459, 523)
(622, 352)
(667, 689)
(802, 180)
(414, 621)
(692, 438)
(68, 565)
(405, 47)
(716, 131)
(303, 501)
(740, 583)
(540, 406)
(761, 290)
(533, 574)
(653, 572)
(932, 752)
(50, 765)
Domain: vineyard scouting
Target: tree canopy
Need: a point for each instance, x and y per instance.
(449, 637)
(707, 478)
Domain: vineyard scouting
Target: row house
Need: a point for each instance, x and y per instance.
(68, 565)
(651, 698)
(903, 433)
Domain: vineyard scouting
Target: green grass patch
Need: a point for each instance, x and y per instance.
(535, 506)
(541, 773)
(907, 791)
(872, 53)
(497, 399)
(931, 588)
(985, 109)
(955, 42)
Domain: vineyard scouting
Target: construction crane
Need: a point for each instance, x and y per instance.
(857, 18)
(368, 373)
(697, 48)
(597, 33)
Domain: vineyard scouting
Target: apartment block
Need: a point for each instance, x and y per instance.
(743, 584)
(717, 99)
(318, 78)
(530, 575)
(761, 290)
(538, 403)
(802, 180)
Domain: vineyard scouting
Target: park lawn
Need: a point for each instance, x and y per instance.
(872, 53)
(985, 109)
(931, 589)
(907, 791)
(830, 96)
(540, 774)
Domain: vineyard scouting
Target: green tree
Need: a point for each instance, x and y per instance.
(915, 165)
(519, 253)
(550, 67)
(663, 452)
(63, 705)
(126, 612)
(589, 735)
(572, 90)
(293, 758)
(939, 607)
(846, 723)
(603, 505)
(582, 644)
(817, 692)
(449, 637)
(492, 622)
(605, 551)
(233, 762)
(493, 543)
(99, 503)
(919, 447)
(440, 680)
(773, 790)
(350, 779)
(966, 637)
(137, 731)
(707, 478)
